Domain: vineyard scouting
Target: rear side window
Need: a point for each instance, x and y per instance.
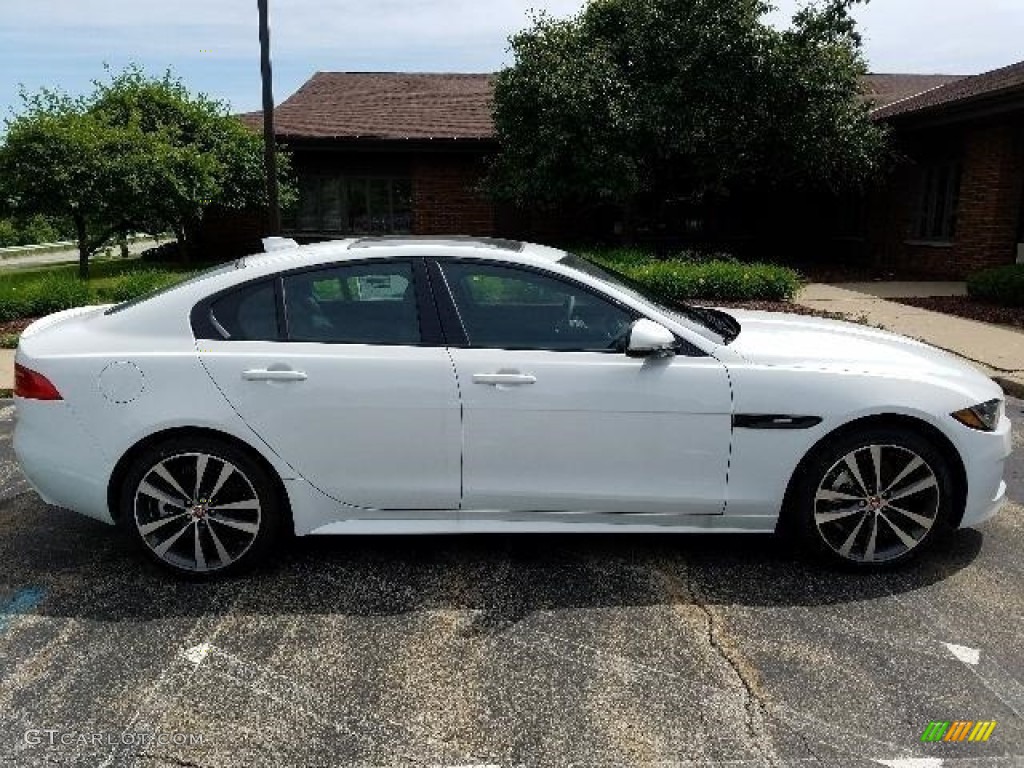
(247, 314)
(353, 304)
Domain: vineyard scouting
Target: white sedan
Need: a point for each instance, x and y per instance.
(438, 385)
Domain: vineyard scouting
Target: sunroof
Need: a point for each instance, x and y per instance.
(497, 243)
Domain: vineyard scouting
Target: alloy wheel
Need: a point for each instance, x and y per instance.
(877, 503)
(197, 512)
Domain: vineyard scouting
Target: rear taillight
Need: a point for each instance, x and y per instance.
(32, 385)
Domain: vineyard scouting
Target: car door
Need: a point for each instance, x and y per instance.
(340, 370)
(558, 422)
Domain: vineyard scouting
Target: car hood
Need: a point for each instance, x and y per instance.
(771, 338)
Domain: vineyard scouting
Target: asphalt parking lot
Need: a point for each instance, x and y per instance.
(505, 651)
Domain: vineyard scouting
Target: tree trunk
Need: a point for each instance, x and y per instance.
(183, 245)
(83, 248)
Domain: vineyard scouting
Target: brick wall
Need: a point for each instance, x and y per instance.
(990, 202)
(990, 197)
(446, 199)
(228, 234)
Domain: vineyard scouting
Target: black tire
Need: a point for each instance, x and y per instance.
(831, 500)
(221, 541)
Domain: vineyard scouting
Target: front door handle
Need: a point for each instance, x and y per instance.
(273, 374)
(504, 379)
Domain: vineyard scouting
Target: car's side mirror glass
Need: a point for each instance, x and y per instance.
(649, 339)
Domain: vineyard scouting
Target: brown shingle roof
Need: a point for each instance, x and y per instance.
(400, 105)
(884, 89)
(387, 105)
(963, 90)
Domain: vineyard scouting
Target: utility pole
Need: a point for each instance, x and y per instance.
(269, 142)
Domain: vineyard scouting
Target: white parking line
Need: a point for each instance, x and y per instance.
(967, 655)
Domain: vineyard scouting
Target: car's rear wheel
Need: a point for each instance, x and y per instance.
(200, 506)
(873, 499)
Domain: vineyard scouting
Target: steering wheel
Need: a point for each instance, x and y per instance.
(617, 332)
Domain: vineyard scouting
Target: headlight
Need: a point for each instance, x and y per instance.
(984, 416)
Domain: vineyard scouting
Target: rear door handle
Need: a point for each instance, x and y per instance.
(272, 374)
(504, 379)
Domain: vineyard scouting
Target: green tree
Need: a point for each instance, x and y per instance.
(31, 230)
(59, 161)
(139, 153)
(694, 97)
(201, 155)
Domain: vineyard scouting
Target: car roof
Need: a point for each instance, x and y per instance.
(439, 246)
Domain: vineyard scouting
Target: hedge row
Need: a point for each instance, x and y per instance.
(691, 277)
(1001, 285)
(53, 291)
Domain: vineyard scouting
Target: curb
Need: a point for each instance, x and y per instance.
(1010, 386)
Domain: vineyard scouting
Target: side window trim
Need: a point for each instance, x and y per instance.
(454, 327)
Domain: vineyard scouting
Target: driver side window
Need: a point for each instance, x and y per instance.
(510, 308)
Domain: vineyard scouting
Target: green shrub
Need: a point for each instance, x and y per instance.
(32, 293)
(687, 277)
(12, 306)
(1001, 285)
(618, 258)
(51, 292)
(131, 285)
(57, 291)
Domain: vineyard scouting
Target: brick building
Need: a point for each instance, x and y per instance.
(956, 202)
(380, 153)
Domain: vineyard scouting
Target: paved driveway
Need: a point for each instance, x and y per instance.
(503, 651)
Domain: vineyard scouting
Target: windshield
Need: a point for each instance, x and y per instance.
(712, 324)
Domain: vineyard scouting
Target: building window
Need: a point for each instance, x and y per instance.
(940, 193)
(363, 205)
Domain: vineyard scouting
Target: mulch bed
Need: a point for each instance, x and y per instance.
(16, 326)
(972, 309)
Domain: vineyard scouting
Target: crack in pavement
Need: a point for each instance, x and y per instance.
(685, 592)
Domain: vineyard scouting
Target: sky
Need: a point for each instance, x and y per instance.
(213, 44)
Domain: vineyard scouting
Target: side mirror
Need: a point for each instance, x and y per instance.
(648, 339)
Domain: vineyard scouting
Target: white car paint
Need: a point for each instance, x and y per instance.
(596, 442)
(407, 401)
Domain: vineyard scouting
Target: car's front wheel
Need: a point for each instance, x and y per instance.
(875, 498)
(200, 506)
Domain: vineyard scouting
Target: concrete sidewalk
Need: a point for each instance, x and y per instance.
(998, 350)
(6, 371)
